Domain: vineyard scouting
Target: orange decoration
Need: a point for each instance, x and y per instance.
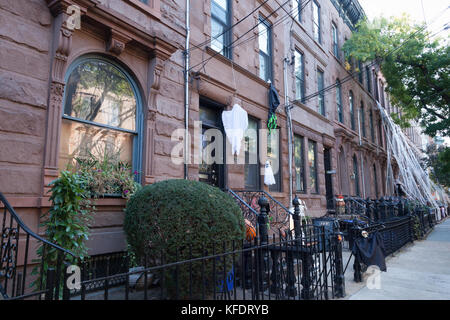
(250, 231)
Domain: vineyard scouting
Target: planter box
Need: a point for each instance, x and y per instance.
(107, 233)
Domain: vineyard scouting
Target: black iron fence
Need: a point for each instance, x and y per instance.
(302, 264)
(25, 274)
(398, 220)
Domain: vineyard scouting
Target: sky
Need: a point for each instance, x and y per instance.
(429, 11)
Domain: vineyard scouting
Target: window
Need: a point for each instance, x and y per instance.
(321, 96)
(380, 133)
(312, 162)
(316, 22)
(220, 22)
(356, 175)
(369, 80)
(372, 130)
(375, 82)
(273, 155)
(334, 32)
(339, 101)
(251, 166)
(299, 76)
(265, 49)
(352, 110)
(297, 9)
(363, 119)
(299, 159)
(101, 114)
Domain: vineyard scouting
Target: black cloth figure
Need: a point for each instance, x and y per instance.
(274, 102)
(370, 250)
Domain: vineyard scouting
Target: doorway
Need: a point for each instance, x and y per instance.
(212, 168)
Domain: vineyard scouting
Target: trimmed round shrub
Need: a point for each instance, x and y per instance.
(176, 220)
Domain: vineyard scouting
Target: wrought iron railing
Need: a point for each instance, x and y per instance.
(303, 264)
(278, 214)
(18, 258)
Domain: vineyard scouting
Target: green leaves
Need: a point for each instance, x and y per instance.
(416, 69)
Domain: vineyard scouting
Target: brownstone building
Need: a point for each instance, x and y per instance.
(129, 56)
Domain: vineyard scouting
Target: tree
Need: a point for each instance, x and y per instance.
(415, 66)
(438, 161)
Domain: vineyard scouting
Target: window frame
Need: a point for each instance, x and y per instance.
(317, 37)
(267, 57)
(335, 39)
(351, 105)
(300, 79)
(302, 167)
(137, 152)
(339, 106)
(316, 175)
(321, 92)
(299, 9)
(363, 119)
(227, 50)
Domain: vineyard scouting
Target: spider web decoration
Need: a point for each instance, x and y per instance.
(415, 180)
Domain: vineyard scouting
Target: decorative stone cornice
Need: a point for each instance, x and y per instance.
(117, 42)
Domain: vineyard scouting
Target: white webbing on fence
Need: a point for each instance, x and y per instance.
(415, 180)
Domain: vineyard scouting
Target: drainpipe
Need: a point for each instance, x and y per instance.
(186, 91)
(289, 126)
(361, 156)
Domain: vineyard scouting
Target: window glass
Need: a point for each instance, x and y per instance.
(299, 76)
(316, 22)
(220, 22)
(312, 162)
(352, 110)
(297, 9)
(339, 101)
(99, 119)
(321, 96)
(334, 32)
(299, 164)
(265, 60)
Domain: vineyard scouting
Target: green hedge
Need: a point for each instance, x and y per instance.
(184, 217)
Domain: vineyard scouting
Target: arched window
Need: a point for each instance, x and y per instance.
(101, 116)
(356, 176)
(352, 109)
(339, 101)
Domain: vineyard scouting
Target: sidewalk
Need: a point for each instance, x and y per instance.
(420, 271)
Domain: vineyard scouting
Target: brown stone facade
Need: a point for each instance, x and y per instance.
(37, 47)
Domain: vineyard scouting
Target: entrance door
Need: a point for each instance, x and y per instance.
(328, 180)
(212, 172)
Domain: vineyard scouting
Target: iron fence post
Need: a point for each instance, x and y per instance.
(50, 283)
(339, 278)
(263, 261)
(357, 276)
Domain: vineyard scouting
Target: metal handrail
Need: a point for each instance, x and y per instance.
(28, 230)
(242, 201)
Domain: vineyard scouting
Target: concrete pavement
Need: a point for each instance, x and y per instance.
(419, 271)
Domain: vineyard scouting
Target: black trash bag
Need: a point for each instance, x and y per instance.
(370, 250)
